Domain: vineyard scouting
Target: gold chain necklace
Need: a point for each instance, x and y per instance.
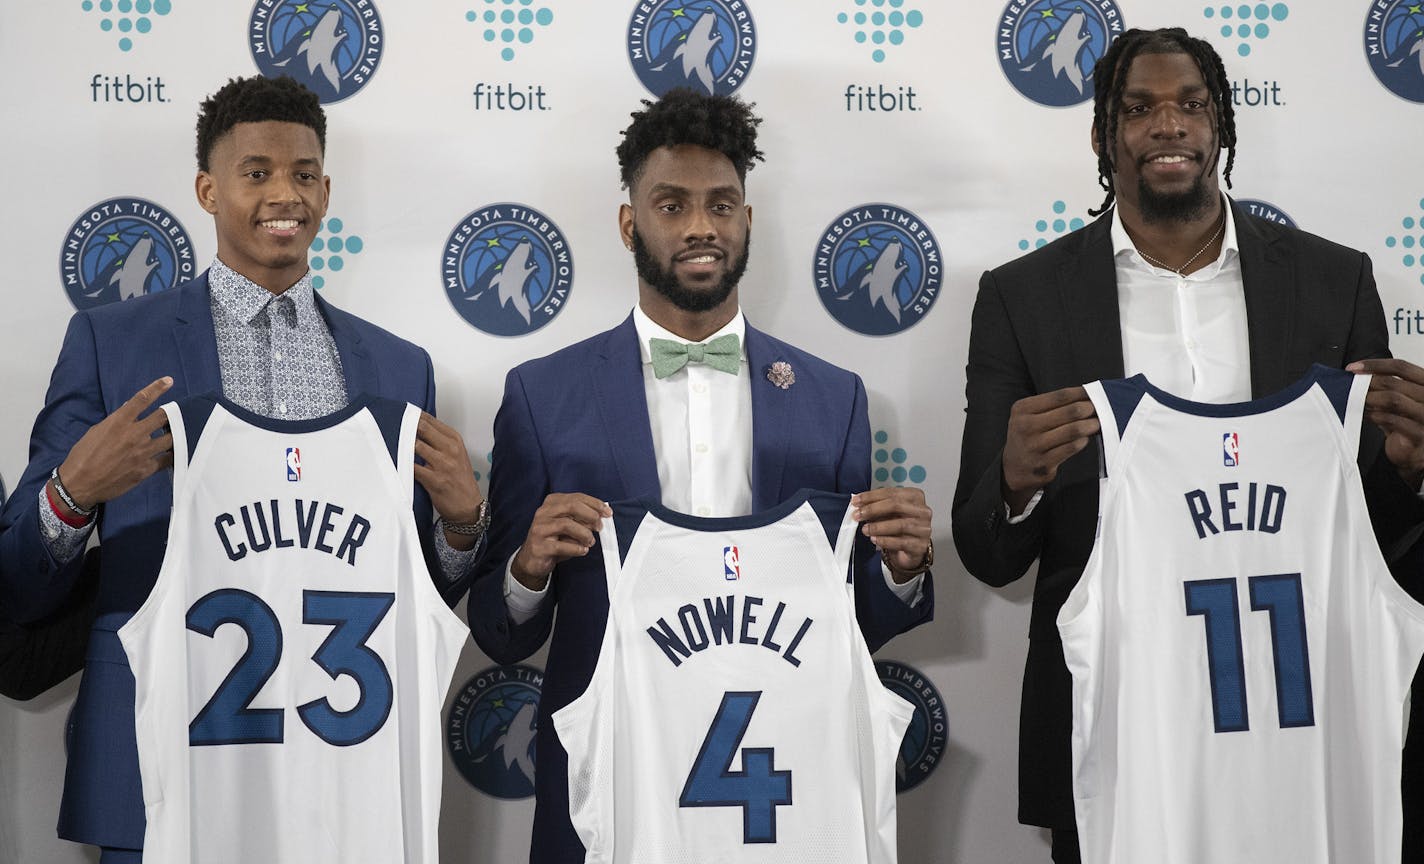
(1178, 270)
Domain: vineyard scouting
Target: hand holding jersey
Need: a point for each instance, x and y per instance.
(1044, 430)
(1395, 403)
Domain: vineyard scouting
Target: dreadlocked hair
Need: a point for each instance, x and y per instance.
(256, 100)
(1110, 76)
(722, 123)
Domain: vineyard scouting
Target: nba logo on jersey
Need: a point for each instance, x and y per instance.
(294, 464)
(1230, 450)
(731, 563)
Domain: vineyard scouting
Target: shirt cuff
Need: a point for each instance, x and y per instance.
(1028, 509)
(455, 564)
(523, 603)
(909, 592)
(64, 541)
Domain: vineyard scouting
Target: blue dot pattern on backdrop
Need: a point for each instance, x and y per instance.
(1409, 241)
(328, 248)
(1261, 13)
(541, 17)
(891, 462)
(130, 26)
(895, 21)
(1059, 226)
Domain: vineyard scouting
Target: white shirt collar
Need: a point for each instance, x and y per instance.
(649, 329)
(1122, 244)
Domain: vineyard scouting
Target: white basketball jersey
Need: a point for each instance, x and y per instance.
(1241, 657)
(734, 714)
(292, 659)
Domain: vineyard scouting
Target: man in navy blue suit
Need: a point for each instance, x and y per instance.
(733, 423)
(251, 328)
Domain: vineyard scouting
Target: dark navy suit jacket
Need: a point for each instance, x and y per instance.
(109, 353)
(577, 421)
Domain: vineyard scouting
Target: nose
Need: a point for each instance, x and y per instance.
(700, 227)
(283, 188)
(1168, 121)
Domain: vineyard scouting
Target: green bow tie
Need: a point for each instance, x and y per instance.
(723, 354)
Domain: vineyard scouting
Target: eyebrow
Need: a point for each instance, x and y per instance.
(673, 189)
(256, 159)
(1142, 93)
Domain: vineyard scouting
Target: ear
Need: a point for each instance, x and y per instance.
(206, 189)
(625, 225)
(1094, 141)
(325, 194)
(749, 217)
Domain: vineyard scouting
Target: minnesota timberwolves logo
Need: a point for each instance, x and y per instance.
(1266, 210)
(877, 269)
(490, 730)
(1047, 48)
(707, 45)
(1394, 45)
(121, 249)
(923, 746)
(507, 269)
(331, 46)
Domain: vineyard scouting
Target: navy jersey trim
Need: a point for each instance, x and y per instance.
(627, 517)
(1124, 395)
(388, 414)
(1336, 384)
(1237, 409)
(297, 427)
(731, 523)
(196, 410)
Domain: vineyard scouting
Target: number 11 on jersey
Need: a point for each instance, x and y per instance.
(1280, 595)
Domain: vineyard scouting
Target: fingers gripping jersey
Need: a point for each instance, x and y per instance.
(292, 658)
(734, 714)
(1240, 654)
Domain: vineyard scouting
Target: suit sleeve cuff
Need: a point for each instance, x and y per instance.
(1028, 509)
(523, 603)
(64, 541)
(911, 592)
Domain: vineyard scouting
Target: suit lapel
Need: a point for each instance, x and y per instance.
(1266, 279)
(357, 367)
(771, 421)
(617, 379)
(195, 341)
(1088, 291)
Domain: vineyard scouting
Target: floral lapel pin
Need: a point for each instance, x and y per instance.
(781, 374)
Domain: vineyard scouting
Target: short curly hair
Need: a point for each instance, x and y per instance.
(255, 100)
(682, 116)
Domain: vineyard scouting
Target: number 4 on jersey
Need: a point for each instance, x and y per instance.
(758, 788)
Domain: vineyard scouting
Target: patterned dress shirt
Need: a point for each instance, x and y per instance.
(277, 359)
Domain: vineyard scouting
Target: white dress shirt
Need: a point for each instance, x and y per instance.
(1187, 334)
(701, 421)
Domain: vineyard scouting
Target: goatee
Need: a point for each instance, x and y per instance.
(665, 282)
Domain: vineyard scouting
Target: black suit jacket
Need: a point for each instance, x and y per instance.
(1050, 320)
(35, 657)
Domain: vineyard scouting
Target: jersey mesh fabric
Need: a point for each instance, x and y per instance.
(1240, 654)
(334, 755)
(637, 736)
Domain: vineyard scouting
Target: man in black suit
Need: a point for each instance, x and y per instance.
(1176, 282)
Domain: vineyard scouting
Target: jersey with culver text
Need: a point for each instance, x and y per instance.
(292, 658)
(734, 714)
(1241, 657)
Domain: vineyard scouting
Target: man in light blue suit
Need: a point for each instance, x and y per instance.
(252, 328)
(734, 423)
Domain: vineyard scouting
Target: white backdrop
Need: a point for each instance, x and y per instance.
(413, 151)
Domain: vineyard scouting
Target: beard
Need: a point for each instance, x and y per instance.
(1186, 206)
(665, 282)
